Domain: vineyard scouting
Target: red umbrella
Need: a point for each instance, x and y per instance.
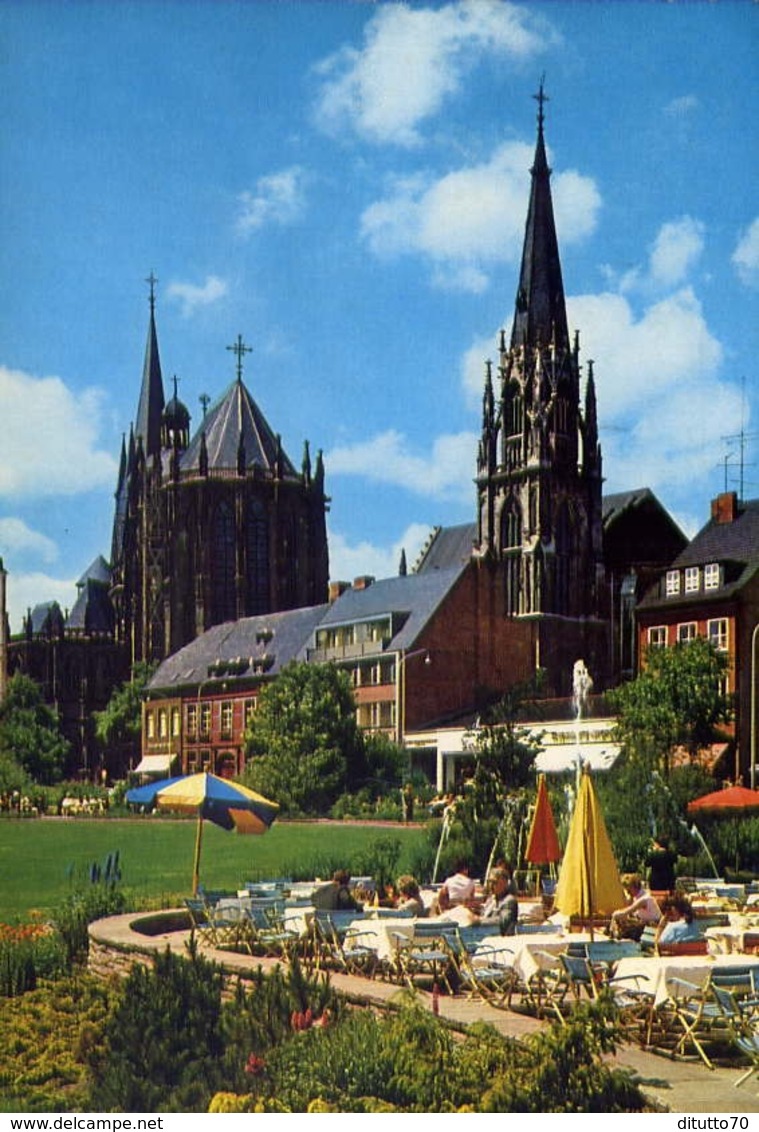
(542, 842)
(730, 799)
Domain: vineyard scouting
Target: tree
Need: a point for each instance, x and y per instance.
(677, 700)
(29, 732)
(120, 722)
(303, 737)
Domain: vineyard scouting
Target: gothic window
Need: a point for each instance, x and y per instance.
(223, 565)
(563, 559)
(511, 526)
(514, 414)
(513, 588)
(258, 560)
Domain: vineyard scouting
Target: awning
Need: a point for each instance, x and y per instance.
(154, 764)
(559, 757)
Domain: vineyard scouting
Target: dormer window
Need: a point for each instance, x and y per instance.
(711, 576)
(672, 582)
(692, 577)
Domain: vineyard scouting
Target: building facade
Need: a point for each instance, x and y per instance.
(539, 466)
(711, 590)
(213, 527)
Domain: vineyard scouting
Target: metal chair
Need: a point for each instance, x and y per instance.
(430, 956)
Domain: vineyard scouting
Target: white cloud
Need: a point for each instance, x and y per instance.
(413, 58)
(17, 538)
(348, 561)
(445, 474)
(192, 297)
(278, 198)
(676, 249)
(472, 218)
(674, 253)
(669, 346)
(662, 405)
(24, 591)
(49, 438)
(681, 107)
(745, 258)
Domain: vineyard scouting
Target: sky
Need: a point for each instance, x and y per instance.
(345, 185)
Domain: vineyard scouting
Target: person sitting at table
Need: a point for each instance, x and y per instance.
(677, 924)
(336, 896)
(501, 908)
(458, 888)
(409, 896)
(642, 911)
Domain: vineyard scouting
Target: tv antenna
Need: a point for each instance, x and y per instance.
(741, 438)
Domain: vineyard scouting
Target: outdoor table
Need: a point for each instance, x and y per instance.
(380, 934)
(724, 939)
(657, 975)
(527, 954)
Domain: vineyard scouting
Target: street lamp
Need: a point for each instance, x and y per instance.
(401, 686)
(753, 705)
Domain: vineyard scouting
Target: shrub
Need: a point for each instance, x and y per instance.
(163, 1041)
(28, 953)
(80, 908)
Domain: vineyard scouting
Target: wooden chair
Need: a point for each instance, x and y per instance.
(488, 976)
(431, 956)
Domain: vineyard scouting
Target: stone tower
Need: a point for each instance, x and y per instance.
(211, 527)
(539, 515)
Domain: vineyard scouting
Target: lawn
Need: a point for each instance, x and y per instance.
(42, 860)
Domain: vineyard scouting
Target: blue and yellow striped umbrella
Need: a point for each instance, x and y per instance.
(210, 798)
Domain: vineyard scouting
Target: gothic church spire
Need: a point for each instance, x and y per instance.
(540, 318)
(151, 403)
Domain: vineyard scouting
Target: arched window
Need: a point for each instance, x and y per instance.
(223, 565)
(511, 526)
(564, 550)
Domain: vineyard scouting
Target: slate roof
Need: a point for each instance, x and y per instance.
(447, 547)
(92, 611)
(277, 636)
(97, 571)
(734, 545)
(236, 414)
(415, 597)
(46, 618)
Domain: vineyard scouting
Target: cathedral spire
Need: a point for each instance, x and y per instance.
(151, 403)
(540, 317)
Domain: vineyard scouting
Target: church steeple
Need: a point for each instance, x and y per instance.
(151, 403)
(540, 318)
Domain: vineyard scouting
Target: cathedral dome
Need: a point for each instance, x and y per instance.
(175, 422)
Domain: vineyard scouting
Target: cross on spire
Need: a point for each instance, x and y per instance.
(541, 97)
(204, 401)
(151, 280)
(240, 349)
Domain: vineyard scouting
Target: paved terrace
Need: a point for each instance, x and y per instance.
(678, 1086)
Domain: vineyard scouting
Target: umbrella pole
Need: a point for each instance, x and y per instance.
(196, 862)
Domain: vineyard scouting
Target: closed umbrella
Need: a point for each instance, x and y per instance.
(542, 841)
(225, 803)
(589, 883)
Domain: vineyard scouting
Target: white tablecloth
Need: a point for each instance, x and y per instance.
(657, 974)
(526, 954)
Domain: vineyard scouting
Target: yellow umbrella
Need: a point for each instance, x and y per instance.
(589, 883)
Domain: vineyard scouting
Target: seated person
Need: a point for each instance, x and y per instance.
(677, 923)
(409, 897)
(640, 913)
(336, 896)
(501, 908)
(458, 888)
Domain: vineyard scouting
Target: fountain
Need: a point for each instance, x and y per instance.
(582, 682)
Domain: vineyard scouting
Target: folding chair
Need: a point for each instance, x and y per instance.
(431, 955)
(748, 1044)
(488, 975)
(265, 934)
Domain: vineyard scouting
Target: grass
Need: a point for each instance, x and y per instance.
(41, 861)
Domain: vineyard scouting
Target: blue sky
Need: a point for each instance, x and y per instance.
(345, 185)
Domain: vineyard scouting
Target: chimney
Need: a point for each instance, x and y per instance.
(336, 589)
(725, 507)
(363, 581)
